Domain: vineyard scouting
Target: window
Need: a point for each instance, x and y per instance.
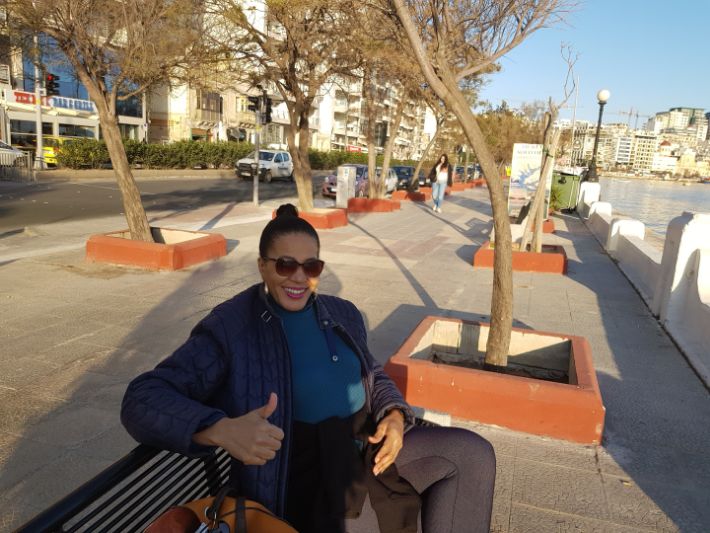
(72, 130)
(278, 158)
(23, 133)
(131, 107)
(287, 157)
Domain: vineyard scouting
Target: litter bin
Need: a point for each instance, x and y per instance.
(345, 186)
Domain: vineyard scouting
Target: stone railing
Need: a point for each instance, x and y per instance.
(674, 283)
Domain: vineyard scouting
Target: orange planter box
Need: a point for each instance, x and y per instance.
(570, 411)
(456, 187)
(480, 182)
(548, 226)
(553, 259)
(321, 218)
(178, 249)
(376, 205)
(423, 195)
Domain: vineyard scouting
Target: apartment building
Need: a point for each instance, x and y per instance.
(644, 148)
(68, 113)
(623, 150)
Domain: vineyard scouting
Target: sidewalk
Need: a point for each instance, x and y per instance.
(74, 334)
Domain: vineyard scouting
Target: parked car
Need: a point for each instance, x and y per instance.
(330, 183)
(10, 156)
(391, 181)
(404, 176)
(272, 164)
(424, 179)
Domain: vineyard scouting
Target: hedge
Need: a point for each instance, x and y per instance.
(90, 153)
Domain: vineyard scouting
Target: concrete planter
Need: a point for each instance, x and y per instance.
(552, 259)
(424, 195)
(456, 187)
(374, 205)
(323, 218)
(174, 249)
(570, 411)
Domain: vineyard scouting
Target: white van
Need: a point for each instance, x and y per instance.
(272, 164)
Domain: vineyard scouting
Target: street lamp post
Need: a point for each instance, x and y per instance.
(602, 97)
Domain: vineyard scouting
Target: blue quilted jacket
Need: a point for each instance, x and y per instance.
(234, 358)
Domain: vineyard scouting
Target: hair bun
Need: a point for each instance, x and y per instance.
(287, 210)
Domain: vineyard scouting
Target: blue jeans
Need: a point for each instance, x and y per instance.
(437, 192)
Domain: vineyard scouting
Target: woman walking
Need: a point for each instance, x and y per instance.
(440, 176)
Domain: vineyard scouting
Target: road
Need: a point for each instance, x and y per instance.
(23, 205)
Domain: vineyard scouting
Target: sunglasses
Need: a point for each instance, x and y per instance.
(287, 266)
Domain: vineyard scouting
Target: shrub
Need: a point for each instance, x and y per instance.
(83, 153)
(90, 153)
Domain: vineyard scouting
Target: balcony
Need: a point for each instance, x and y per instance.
(245, 119)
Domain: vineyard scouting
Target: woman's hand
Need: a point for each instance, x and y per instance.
(249, 438)
(391, 429)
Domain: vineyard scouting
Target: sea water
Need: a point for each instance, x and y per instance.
(655, 203)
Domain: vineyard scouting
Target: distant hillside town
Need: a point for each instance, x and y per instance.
(670, 143)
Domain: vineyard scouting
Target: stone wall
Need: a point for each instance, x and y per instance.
(674, 283)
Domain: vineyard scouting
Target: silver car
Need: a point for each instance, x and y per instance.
(10, 156)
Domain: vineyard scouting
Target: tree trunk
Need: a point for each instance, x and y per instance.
(132, 203)
(446, 88)
(369, 89)
(298, 148)
(536, 214)
(389, 145)
(498, 343)
(414, 184)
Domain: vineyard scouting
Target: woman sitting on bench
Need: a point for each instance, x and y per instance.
(283, 380)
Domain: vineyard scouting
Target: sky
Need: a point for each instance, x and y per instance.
(650, 54)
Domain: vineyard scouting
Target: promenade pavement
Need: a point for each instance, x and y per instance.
(73, 334)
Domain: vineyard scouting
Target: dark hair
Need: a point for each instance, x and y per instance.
(286, 222)
(438, 160)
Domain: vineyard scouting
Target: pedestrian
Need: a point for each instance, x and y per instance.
(441, 175)
(281, 377)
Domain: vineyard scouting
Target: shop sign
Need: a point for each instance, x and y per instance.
(22, 97)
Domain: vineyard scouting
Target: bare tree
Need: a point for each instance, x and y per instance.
(452, 41)
(551, 137)
(297, 46)
(119, 49)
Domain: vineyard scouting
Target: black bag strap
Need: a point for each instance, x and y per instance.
(212, 512)
(240, 523)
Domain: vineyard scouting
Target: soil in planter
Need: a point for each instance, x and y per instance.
(513, 369)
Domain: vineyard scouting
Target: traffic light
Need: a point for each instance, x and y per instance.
(266, 116)
(254, 105)
(51, 84)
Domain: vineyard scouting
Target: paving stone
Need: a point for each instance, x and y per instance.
(649, 506)
(70, 425)
(502, 498)
(52, 482)
(527, 519)
(19, 412)
(557, 488)
(21, 457)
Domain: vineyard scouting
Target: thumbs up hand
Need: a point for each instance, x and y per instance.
(250, 438)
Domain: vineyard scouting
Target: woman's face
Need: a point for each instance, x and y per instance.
(290, 292)
(443, 159)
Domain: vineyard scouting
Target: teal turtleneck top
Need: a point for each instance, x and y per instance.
(324, 384)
